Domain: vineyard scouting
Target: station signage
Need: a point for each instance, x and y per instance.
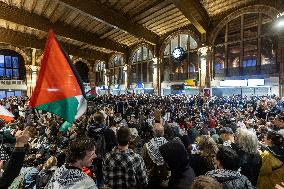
(255, 82)
(190, 82)
(242, 83)
(233, 83)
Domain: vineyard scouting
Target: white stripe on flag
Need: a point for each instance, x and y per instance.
(82, 106)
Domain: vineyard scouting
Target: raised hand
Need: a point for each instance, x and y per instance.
(22, 137)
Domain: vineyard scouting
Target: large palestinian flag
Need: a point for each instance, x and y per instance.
(59, 88)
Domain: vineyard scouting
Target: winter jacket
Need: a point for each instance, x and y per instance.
(104, 137)
(156, 168)
(199, 164)
(250, 165)
(182, 180)
(230, 179)
(44, 176)
(272, 170)
(176, 157)
(13, 167)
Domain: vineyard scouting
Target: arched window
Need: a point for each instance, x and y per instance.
(116, 69)
(83, 71)
(142, 65)
(100, 72)
(12, 65)
(245, 41)
(175, 69)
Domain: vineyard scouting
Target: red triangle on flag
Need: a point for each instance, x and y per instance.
(56, 80)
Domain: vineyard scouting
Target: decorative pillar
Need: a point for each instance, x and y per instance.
(281, 64)
(107, 79)
(31, 75)
(204, 54)
(280, 58)
(33, 56)
(125, 72)
(92, 75)
(155, 75)
(209, 63)
(159, 71)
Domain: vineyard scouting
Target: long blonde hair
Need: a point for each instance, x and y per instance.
(52, 161)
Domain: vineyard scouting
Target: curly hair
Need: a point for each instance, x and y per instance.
(247, 140)
(205, 182)
(208, 148)
(78, 149)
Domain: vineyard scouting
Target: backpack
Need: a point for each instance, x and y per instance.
(97, 133)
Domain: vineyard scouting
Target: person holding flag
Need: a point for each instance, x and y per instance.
(59, 90)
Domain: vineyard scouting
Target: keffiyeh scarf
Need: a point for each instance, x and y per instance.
(153, 149)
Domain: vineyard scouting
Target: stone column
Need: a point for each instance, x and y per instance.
(155, 75)
(204, 54)
(31, 75)
(209, 63)
(92, 75)
(281, 63)
(125, 72)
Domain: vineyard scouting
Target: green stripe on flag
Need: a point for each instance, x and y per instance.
(66, 108)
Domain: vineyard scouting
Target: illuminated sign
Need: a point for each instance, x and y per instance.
(255, 82)
(177, 87)
(190, 82)
(280, 14)
(233, 83)
(242, 83)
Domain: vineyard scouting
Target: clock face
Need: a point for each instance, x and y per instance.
(178, 53)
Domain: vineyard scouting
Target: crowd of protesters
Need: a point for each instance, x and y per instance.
(147, 141)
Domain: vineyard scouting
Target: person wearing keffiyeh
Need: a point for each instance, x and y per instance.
(156, 168)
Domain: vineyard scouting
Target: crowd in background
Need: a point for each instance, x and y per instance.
(147, 141)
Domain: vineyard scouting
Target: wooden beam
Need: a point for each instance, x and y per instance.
(113, 18)
(35, 21)
(160, 5)
(184, 7)
(26, 40)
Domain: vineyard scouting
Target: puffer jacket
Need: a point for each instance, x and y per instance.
(230, 179)
(272, 170)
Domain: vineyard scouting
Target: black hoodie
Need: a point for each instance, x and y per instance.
(176, 157)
